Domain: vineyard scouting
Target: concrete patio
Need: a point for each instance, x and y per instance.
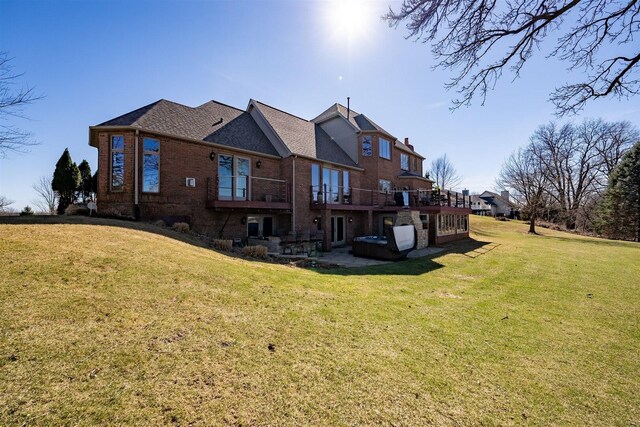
(342, 257)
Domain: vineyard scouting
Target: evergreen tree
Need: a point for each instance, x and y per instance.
(85, 180)
(94, 183)
(620, 211)
(66, 179)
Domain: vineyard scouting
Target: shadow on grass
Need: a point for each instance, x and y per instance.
(470, 248)
(417, 266)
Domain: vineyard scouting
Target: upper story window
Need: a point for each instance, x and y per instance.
(385, 148)
(117, 162)
(415, 164)
(385, 186)
(234, 174)
(151, 165)
(366, 147)
(316, 193)
(404, 162)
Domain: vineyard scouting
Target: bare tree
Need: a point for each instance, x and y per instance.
(4, 203)
(47, 198)
(444, 173)
(578, 160)
(616, 140)
(13, 99)
(522, 174)
(480, 39)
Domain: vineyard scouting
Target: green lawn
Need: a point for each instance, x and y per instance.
(118, 326)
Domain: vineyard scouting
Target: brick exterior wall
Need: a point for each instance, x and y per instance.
(175, 201)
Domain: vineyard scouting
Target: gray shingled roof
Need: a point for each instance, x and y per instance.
(237, 128)
(360, 122)
(411, 174)
(243, 132)
(303, 137)
(177, 119)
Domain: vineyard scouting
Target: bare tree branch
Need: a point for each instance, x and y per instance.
(47, 198)
(444, 173)
(478, 39)
(4, 203)
(12, 103)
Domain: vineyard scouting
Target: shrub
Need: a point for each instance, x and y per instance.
(181, 227)
(76, 210)
(160, 223)
(222, 244)
(255, 251)
(27, 211)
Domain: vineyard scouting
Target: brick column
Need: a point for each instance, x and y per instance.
(326, 230)
(369, 223)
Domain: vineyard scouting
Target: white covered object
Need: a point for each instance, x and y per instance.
(405, 237)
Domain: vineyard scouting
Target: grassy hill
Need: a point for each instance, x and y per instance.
(112, 325)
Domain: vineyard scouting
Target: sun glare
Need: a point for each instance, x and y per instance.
(349, 20)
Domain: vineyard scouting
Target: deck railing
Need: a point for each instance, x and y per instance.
(248, 188)
(337, 195)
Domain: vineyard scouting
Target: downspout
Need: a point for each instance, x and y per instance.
(293, 196)
(136, 208)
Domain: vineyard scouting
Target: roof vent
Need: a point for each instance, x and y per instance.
(218, 122)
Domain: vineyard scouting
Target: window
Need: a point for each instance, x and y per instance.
(385, 186)
(404, 162)
(366, 147)
(117, 162)
(415, 164)
(346, 188)
(242, 179)
(316, 193)
(190, 182)
(151, 165)
(385, 148)
(452, 224)
(331, 184)
(230, 186)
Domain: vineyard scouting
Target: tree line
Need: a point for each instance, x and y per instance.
(564, 175)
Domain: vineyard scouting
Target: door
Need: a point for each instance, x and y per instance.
(338, 232)
(225, 177)
(233, 178)
(331, 183)
(243, 170)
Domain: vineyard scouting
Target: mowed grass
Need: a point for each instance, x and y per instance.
(116, 326)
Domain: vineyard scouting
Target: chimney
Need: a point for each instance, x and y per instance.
(465, 192)
(406, 142)
(505, 195)
(348, 108)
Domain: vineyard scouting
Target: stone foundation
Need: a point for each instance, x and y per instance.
(413, 217)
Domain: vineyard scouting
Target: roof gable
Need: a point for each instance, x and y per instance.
(303, 137)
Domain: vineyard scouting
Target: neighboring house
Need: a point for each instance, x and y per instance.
(263, 172)
(492, 204)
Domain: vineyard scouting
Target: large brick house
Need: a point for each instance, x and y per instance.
(263, 172)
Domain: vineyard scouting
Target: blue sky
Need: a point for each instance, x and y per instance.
(95, 60)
